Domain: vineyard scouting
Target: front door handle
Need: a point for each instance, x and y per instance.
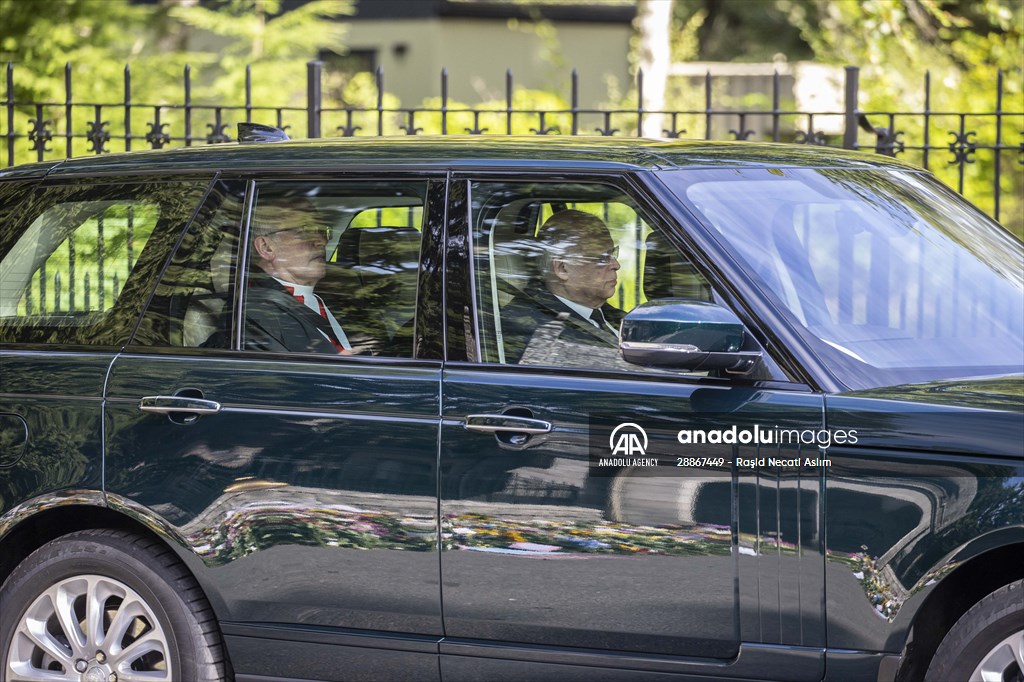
(173, 404)
(506, 423)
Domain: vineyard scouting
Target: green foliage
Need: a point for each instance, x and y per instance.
(218, 40)
(963, 45)
(41, 36)
(531, 107)
(237, 33)
(727, 30)
(96, 39)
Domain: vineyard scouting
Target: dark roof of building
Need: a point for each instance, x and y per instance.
(613, 11)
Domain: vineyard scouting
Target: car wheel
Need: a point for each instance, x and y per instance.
(987, 643)
(106, 606)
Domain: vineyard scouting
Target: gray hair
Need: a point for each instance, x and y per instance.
(563, 233)
(273, 213)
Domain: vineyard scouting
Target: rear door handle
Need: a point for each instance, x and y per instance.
(505, 423)
(173, 404)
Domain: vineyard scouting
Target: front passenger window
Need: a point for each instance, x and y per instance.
(559, 266)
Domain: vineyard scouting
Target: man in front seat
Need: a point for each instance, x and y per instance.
(579, 271)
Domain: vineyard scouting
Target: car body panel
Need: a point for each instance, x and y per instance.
(932, 473)
(52, 433)
(320, 469)
(345, 523)
(659, 564)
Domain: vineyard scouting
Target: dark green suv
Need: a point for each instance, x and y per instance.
(499, 408)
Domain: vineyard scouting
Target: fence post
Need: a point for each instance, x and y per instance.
(128, 110)
(850, 113)
(444, 100)
(67, 111)
(314, 98)
(9, 105)
(575, 103)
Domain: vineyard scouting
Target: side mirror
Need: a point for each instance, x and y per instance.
(685, 334)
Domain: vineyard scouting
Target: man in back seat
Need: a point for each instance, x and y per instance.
(282, 313)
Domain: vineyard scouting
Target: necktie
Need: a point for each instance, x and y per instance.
(323, 313)
(602, 322)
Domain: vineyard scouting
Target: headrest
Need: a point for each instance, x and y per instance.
(381, 249)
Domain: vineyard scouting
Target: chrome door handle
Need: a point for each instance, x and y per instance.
(505, 423)
(172, 404)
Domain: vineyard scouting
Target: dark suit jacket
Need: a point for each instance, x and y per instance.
(277, 321)
(525, 314)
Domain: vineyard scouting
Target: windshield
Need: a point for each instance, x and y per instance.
(891, 277)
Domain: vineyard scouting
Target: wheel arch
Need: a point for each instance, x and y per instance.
(962, 588)
(47, 520)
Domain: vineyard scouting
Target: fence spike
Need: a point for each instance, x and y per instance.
(575, 102)
(775, 105)
(707, 105)
(248, 93)
(314, 97)
(9, 104)
(997, 181)
(639, 102)
(927, 117)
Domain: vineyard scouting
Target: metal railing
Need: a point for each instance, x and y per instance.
(962, 138)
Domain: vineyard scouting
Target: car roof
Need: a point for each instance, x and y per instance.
(466, 151)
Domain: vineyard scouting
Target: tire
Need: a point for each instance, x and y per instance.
(154, 615)
(987, 643)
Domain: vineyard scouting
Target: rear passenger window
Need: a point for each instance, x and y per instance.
(333, 268)
(82, 268)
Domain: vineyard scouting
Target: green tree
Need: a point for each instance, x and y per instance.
(726, 30)
(98, 38)
(95, 36)
(963, 44)
(275, 43)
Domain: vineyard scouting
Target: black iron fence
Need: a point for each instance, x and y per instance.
(976, 152)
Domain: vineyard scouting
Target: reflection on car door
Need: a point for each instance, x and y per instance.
(77, 261)
(695, 569)
(305, 485)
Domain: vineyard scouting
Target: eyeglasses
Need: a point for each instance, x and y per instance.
(604, 260)
(310, 232)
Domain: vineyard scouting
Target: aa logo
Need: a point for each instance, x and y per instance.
(629, 440)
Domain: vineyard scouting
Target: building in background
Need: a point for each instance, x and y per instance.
(479, 40)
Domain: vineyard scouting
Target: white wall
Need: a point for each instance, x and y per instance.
(477, 53)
